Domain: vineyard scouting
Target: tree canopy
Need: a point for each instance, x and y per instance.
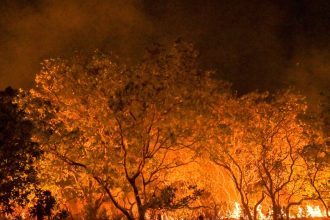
(123, 128)
(17, 154)
(137, 141)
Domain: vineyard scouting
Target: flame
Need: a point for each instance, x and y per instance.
(261, 215)
(307, 211)
(314, 211)
(300, 212)
(236, 213)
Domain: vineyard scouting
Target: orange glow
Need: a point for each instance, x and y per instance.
(314, 211)
(309, 211)
(260, 214)
(236, 212)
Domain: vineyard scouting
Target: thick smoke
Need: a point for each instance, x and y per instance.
(257, 44)
(33, 32)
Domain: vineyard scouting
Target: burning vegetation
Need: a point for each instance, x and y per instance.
(159, 140)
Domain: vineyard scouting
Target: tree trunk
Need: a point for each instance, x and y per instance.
(275, 208)
(255, 214)
(247, 211)
(141, 213)
(141, 210)
(287, 212)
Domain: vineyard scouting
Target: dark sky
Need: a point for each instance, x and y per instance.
(255, 44)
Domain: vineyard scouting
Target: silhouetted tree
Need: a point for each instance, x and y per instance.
(17, 154)
(44, 205)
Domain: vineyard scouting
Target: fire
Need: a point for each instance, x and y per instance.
(236, 213)
(261, 215)
(300, 212)
(314, 211)
(308, 211)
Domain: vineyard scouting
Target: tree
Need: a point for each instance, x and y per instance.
(44, 205)
(17, 155)
(258, 140)
(233, 151)
(316, 156)
(126, 128)
(281, 138)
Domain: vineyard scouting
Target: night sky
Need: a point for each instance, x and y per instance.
(257, 45)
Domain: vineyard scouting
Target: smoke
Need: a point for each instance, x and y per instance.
(234, 37)
(33, 32)
(257, 44)
(237, 38)
(310, 74)
(309, 29)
